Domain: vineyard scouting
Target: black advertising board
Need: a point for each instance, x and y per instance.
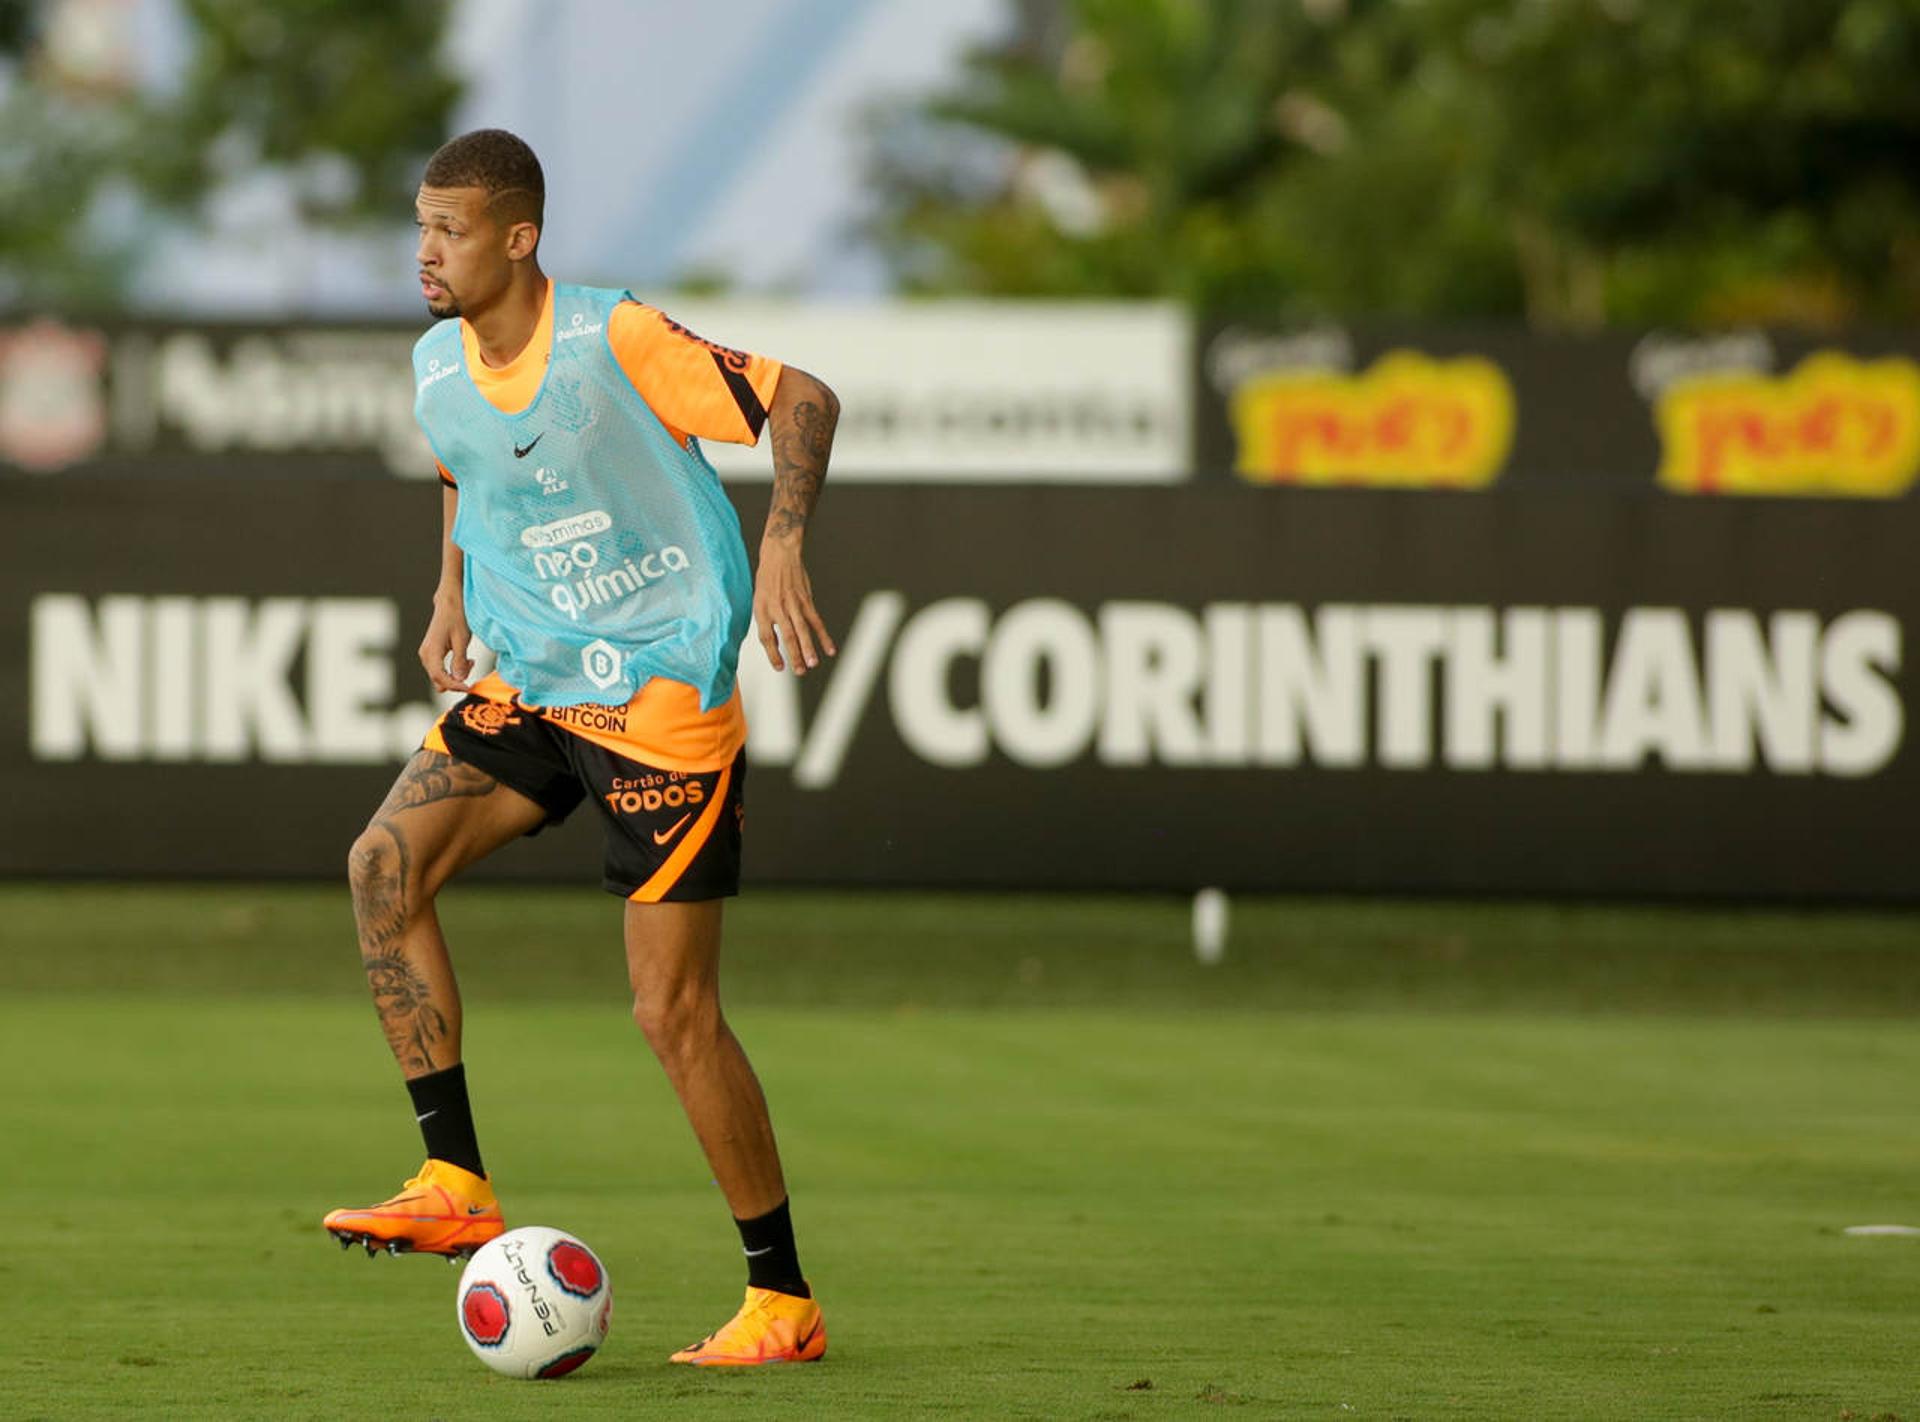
(1551, 691)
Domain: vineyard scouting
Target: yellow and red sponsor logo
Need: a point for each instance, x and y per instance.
(1834, 426)
(1407, 422)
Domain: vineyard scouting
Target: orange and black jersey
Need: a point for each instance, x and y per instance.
(698, 390)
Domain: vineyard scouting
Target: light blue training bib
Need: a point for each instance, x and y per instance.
(599, 552)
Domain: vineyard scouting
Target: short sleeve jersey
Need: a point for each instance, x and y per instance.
(698, 390)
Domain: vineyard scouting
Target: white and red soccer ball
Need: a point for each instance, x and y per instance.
(534, 1303)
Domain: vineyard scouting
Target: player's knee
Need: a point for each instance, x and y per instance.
(376, 865)
(677, 1023)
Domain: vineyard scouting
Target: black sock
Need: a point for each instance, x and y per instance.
(772, 1260)
(446, 1117)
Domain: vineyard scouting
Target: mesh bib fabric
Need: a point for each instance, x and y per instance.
(599, 553)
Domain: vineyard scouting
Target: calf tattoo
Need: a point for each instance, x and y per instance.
(382, 879)
(414, 1026)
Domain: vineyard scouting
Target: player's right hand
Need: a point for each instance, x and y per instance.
(443, 652)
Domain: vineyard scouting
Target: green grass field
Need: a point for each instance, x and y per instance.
(1401, 1160)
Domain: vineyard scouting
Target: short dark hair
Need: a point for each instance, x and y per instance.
(500, 163)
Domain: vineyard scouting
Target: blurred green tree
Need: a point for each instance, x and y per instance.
(345, 98)
(1572, 162)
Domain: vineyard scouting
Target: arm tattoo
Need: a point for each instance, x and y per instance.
(799, 464)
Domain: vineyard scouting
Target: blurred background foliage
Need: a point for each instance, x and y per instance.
(1568, 162)
(342, 99)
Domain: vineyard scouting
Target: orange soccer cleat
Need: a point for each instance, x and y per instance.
(770, 1328)
(442, 1210)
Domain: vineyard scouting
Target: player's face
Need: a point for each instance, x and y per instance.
(463, 256)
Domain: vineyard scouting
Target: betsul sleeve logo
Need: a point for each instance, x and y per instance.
(1409, 422)
(1834, 426)
(732, 359)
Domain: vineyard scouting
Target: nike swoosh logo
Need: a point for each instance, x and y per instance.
(756, 1253)
(476, 1209)
(434, 1112)
(519, 453)
(662, 836)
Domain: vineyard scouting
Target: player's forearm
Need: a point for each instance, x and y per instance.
(452, 564)
(802, 418)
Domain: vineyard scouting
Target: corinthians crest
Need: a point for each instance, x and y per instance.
(52, 408)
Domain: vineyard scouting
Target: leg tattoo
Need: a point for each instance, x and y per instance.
(412, 1023)
(431, 776)
(380, 874)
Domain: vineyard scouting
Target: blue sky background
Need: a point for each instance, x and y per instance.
(676, 139)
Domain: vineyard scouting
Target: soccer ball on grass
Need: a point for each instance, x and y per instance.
(534, 1303)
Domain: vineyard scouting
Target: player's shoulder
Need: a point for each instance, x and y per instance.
(636, 314)
(436, 355)
(435, 339)
(646, 325)
(577, 300)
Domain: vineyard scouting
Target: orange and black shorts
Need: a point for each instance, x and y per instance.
(671, 835)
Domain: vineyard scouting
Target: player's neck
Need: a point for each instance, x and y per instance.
(504, 327)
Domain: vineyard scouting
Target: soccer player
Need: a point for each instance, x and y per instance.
(587, 541)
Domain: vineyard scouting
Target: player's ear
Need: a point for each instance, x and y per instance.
(522, 238)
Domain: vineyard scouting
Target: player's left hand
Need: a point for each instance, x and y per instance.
(783, 609)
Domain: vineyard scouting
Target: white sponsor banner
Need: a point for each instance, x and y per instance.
(981, 391)
(977, 391)
(304, 390)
